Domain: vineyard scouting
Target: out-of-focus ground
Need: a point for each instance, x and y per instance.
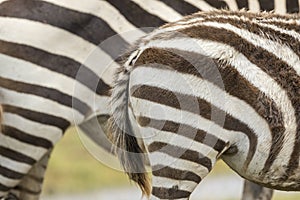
(74, 174)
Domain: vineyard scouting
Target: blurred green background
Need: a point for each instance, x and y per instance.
(73, 170)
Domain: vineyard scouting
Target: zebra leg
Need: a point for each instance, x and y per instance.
(252, 191)
(31, 185)
(177, 170)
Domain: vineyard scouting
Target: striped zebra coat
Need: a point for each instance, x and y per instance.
(33, 37)
(212, 85)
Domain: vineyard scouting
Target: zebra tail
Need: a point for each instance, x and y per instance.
(1, 117)
(126, 146)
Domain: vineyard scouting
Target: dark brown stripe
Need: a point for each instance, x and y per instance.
(292, 6)
(135, 14)
(175, 174)
(47, 93)
(39, 180)
(17, 156)
(243, 4)
(217, 4)
(10, 173)
(262, 31)
(170, 193)
(181, 6)
(198, 65)
(57, 63)
(87, 26)
(27, 138)
(283, 74)
(266, 5)
(186, 131)
(39, 117)
(179, 152)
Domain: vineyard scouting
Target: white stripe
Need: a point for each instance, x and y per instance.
(281, 51)
(57, 41)
(50, 133)
(159, 9)
(254, 5)
(7, 181)
(280, 6)
(206, 90)
(24, 148)
(163, 182)
(232, 4)
(39, 104)
(176, 140)
(12, 164)
(248, 70)
(201, 4)
(158, 158)
(106, 12)
(26, 72)
(193, 120)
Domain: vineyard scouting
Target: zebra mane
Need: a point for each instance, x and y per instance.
(126, 146)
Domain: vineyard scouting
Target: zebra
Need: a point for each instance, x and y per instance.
(214, 85)
(25, 42)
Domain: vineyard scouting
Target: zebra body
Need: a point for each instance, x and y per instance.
(212, 85)
(53, 38)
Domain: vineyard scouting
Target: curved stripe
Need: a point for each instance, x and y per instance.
(28, 73)
(280, 6)
(159, 9)
(38, 116)
(126, 8)
(43, 36)
(47, 93)
(247, 69)
(24, 137)
(170, 193)
(9, 182)
(83, 25)
(15, 160)
(181, 6)
(166, 182)
(174, 174)
(205, 90)
(104, 11)
(40, 105)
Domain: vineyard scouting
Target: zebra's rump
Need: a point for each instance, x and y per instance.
(224, 79)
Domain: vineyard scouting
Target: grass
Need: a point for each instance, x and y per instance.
(73, 170)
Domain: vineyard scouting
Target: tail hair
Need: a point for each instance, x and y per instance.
(126, 146)
(1, 117)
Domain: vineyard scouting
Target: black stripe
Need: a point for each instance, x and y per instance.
(87, 26)
(182, 7)
(56, 63)
(292, 6)
(39, 117)
(17, 156)
(185, 131)
(217, 4)
(278, 70)
(10, 173)
(243, 4)
(179, 152)
(27, 138)
(266, 5)
(47, 93)
(175, 174)
(136, 15)
(170, 193)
